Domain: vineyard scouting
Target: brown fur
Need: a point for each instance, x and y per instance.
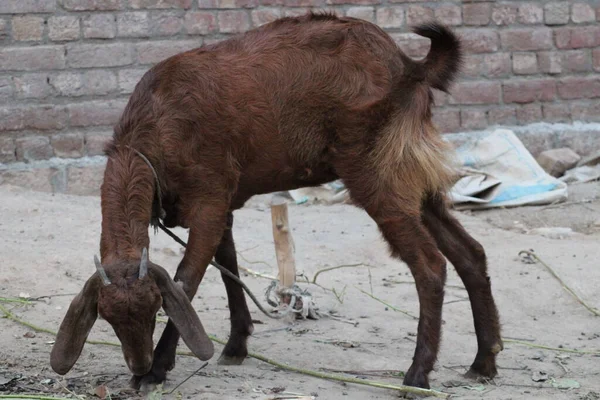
(297, 102)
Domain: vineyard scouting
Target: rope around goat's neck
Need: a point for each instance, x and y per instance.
(158, 213)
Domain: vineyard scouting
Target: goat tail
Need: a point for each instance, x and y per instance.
(443, 62)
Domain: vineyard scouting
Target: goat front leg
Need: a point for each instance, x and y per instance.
(206, 230)
(236, 349)
(469, 259)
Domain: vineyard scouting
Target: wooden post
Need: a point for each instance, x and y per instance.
(284, 245)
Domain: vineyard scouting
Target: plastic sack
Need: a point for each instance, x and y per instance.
(502, 173)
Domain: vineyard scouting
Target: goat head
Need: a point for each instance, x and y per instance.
(128, 296)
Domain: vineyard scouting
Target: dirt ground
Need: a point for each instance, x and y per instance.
(47, 247)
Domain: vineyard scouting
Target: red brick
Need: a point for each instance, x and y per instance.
(96, 141)
(525, 39)
(32, 58)
(586, 111)
(45, 117)
(529, 114)
(473, 119)
(529, 91)
(449, 14)
(67, 145)
(300, 3)
(11, 119)
(472, 66)
(531, 13)
(365, 13)
(265, 15)
(233, 21)
(27, 28)
(133, 24)
(336, 2)
(96, 113)
(480, 92)
(504, 14)
(27, 6)
(128, 78)
(446, 120)
(200, 22)
(576, 61)
(596, 59)
(238, 3)
(556, 13)
(579, 88)
(502, 116)
(577, 37)
(4, 29)
(476, 13)
(32, 86)
(153, 52)
(99, 55)
(550, 62)
(177, 4)
(6, 88)
(525, 63)
(67, 84)
(582, 12)
(413, 45)
(208, 4)
(99, 82)
(165, 24)
(496, 65)
(7, 149)
(92, 5)
(390, 17)
(63, 28)
(479, 40)
(100, 26)
(556, 112)
(31, 148)
(439, 98)
(416, 15)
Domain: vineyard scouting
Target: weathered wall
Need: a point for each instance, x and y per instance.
(67, 67)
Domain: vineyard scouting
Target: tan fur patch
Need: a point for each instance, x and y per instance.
(411, 158)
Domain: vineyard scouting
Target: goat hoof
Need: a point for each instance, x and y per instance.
(415, 379)
(147, 383)
(230, 360)
(483, 371)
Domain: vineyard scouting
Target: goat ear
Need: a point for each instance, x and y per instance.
(76, 327)
(179, 309)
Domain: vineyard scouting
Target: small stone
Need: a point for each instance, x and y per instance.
(29, 335)
(557, 161)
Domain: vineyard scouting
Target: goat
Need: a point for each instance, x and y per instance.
(297, 102)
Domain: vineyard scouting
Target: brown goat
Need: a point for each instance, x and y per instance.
(297, 102)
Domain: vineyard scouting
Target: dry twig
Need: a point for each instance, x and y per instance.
(316, 374)
(564, 285)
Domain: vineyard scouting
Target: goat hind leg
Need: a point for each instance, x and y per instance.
(469, 259)
(236, 349)
(410, 241)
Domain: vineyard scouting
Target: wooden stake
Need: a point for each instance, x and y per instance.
(284, 244)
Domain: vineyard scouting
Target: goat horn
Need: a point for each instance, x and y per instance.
(144, 264)
(101, 271)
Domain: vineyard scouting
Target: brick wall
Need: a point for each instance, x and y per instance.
(67, 67)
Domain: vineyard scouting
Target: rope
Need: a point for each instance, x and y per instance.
(158, 213)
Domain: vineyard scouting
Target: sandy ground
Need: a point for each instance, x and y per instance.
(48, 242)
